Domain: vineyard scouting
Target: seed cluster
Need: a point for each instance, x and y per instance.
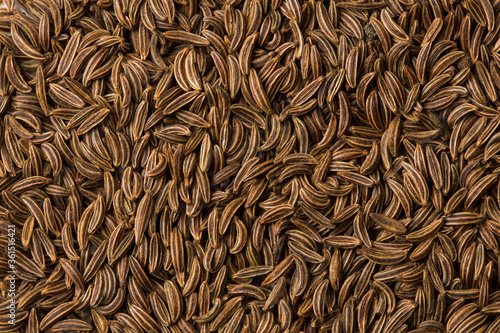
(253, 166)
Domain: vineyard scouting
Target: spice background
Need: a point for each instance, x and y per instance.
(292, 166)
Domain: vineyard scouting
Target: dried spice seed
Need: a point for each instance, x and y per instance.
(282, 166)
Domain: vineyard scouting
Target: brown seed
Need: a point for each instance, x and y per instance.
(384, 257)
(388, 223)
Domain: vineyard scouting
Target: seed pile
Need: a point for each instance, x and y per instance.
(251, 166)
